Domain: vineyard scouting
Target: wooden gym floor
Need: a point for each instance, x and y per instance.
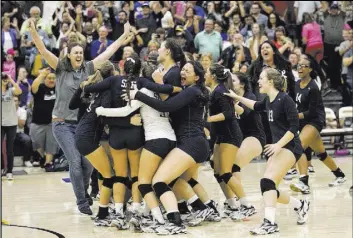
(42, 200)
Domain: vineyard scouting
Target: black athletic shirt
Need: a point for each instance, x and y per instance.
(250, 121)
(44, 101)
(172, 77)
(222, 104)
(282, 116)
(309, 102)
(116, 85)
(187, 108)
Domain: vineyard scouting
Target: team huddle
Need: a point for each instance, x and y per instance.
(169, 115)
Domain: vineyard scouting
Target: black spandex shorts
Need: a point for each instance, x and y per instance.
(88, 134)
(231, 134)
(296, 150)
(318, 126)
(160, 147)
(130, 138)
(197, 147)
(260, 138)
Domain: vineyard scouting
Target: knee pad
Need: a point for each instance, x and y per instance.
(134, 179)
(171, 185)
(145, 189)
(100, 176)
(322, 156)
(160, 188)
(226, 177)
(193, 182)
(267, 185)
(235, 168)
(108, 182)
(119, 179)
(218, 178)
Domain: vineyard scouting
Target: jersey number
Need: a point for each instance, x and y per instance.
(298, 98)
(270, 115)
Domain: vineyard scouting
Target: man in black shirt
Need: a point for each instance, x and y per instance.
(43, 90)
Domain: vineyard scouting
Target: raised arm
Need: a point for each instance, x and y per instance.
(106, 84)
(51, 59)
(172, 104)
(251, 104)
(119, 112)
(37, 82)
(110, 51)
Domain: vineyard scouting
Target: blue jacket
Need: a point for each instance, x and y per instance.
(13, 37)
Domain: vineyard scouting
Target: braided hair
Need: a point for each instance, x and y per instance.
(132, 69)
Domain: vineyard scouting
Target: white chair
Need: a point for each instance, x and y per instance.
(330, 114)
(345, 113)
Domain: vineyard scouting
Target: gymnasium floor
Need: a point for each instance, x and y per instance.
(43, 201)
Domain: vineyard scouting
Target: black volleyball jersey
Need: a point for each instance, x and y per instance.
(282, 116)
(309, 102)
(221, 103)
(250, 121)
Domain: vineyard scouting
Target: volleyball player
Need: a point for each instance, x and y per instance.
(192, 146)
(286, 150)
(252, 144)
(224, 126)
(312, 120)
(88, 135)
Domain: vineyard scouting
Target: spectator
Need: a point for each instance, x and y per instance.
(25, 85)
(199, 10)
(64, 31)
(43, 90)
(22, 143)
(100, 45)
(148, 23)
(260, 18)
(206, 60)
(219, 29)
(152, 46)
(312, 37)
(294, 59)
(333, 26)
(237, 22)
(273, 22)
(236, 54)
(283, 43)
(192, 23)
(348, 62)
(9, 36)
(246, 31)
(212, 13)
(299, 8)
(257, 38)
(344, 47)
(238, 11)
(209, 41)
(8, 120)
(9, 66)
(40, 24)
(183, 38)
(127, 52)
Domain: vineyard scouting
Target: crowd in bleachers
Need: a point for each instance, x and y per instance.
(227, 32)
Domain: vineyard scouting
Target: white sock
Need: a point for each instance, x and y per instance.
(270, 214)
(295, 202)
(232, 202)
(207, 202)
(103, 205)
(136, 206)
(244, 201)
(157, 214)
(119, 208)
(181, 201)
(146, 210)
(193, 199)
(302, 175)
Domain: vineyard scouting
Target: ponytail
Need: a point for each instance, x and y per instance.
(132, 69)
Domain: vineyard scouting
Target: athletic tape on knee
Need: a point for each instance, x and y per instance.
(235, 168)
(218, 178)
(108, 182)
(171, 185)
(134, 179)
(145, 189)
(192, 182)
(226, 177)
(119, 179)
(160, 188)
(322, 156)
(267, 185)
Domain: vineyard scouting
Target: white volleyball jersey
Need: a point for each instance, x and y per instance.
(156, 124)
